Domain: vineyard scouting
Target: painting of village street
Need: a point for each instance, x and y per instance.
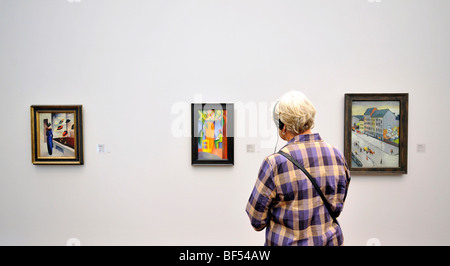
(375, 130)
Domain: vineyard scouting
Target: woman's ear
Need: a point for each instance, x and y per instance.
(282, 133)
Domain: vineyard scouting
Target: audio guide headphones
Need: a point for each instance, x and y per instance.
(278, 123)
(276, 117)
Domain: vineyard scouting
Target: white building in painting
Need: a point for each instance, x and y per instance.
(378, 123)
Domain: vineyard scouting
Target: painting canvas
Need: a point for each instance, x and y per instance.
(56, 134)
(212, 134)
(376, 132)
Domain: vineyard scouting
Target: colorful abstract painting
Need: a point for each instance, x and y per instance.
(211, 134)
(212, 142)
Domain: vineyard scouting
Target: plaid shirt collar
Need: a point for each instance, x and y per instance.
(305, 138)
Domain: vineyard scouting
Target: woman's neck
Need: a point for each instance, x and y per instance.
(289, 135)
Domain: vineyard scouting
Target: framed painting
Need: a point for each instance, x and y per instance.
(212, 133)
(376, 133)
(57, 134)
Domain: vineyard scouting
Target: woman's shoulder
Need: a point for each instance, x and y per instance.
(274, 160)
(336, 153)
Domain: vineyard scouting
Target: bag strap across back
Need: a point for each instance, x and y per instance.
(313, 181)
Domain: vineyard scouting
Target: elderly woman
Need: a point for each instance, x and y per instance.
(284, 199)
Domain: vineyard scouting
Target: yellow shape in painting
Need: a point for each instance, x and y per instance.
(202, 116)
(205, 146)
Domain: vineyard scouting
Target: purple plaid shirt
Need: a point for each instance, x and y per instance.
(285, 202)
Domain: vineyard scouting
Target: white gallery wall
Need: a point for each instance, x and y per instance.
(136, 66)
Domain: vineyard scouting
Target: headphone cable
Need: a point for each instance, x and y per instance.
(276, 144)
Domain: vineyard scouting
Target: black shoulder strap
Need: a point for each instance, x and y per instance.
(313, 181)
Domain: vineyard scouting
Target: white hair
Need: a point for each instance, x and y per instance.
(296, 111)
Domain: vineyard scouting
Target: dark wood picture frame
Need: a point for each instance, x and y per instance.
(221, 138)
(374, 135)
(57, 134)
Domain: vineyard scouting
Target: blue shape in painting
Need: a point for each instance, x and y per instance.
(50, 141)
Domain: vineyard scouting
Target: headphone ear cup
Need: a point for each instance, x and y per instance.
(280, 124)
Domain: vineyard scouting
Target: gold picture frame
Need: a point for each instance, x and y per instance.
(57, 134)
